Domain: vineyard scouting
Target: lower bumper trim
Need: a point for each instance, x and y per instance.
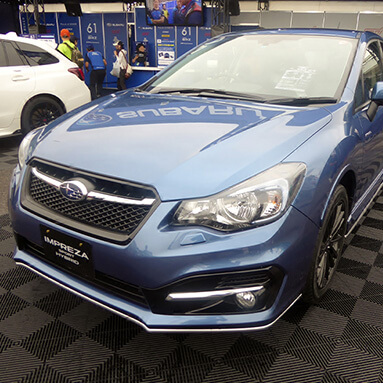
(157, 329)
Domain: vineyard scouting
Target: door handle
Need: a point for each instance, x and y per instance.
(20, 78)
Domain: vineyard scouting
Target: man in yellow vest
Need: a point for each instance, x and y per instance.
(66, 47)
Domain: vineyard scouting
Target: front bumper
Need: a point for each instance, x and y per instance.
(162, 260)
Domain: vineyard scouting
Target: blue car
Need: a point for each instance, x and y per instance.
(218, 193)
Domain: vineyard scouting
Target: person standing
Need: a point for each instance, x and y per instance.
(120, 54)
(76, 54)
(66, 47)
(141, 56)
(166, 13)
(191, 12)
(96, 64)
(156, 15)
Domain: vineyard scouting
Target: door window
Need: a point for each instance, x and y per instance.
(371, 70)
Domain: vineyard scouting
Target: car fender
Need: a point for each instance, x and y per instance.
(326, 166)
(337, 182)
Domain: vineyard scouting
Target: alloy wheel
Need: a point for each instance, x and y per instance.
(331, 246)
(43, 113)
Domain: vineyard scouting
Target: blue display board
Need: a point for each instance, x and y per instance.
(51, 24)
(24, 24)
(130, 17)
(186, 39)
(115, 30)
(204, 32)
(146, 34)
(92, 33)
(72, 24)
(164, 44)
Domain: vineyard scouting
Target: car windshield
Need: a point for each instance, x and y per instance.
(278, 68)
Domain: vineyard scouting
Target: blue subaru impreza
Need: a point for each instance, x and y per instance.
(218, 193)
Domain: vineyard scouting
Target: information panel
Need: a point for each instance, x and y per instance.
(186, 39)
(166, 51)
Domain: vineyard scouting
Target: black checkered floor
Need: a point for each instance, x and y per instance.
(50, 335)
(8, 152)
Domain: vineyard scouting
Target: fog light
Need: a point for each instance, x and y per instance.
(246, 300)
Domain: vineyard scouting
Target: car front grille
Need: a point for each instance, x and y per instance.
(103, 218)
(111, 216)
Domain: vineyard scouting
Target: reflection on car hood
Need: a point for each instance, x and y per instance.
(185, 147)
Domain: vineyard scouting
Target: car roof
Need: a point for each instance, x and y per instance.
(47, 46)
(342, 33)
(362, 36)
(12, 36)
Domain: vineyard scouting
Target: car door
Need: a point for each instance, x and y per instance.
(17, 81)
(371, 131)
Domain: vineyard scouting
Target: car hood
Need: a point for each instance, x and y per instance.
(185, 147)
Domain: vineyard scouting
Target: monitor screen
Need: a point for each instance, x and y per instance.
(175, 12)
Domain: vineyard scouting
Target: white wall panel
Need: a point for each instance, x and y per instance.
(275, 19)
(341, 20)
(308, 20)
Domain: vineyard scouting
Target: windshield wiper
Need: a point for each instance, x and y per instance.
(207, 92)
(302, 101)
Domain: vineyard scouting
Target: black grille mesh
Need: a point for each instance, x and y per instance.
(112, 216)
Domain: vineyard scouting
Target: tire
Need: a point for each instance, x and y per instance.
(38, 112)
(329, 247)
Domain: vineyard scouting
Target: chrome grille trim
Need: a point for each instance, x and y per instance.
(49, 180)
(95, 195)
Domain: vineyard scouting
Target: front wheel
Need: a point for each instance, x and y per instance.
(38, 112)
(329, 247)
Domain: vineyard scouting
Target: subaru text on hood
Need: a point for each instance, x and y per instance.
(218, 193)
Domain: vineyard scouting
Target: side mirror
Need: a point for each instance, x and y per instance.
(376, 100)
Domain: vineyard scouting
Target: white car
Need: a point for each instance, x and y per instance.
(38, 84)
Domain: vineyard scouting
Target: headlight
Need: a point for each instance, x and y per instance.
(256, 201)
(25, 147)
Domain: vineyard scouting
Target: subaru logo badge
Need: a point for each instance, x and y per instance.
(73, 190)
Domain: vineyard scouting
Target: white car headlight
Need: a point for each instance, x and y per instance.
(25, 146)
(256, 201)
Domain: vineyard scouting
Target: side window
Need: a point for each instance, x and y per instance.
(3, 62)
(36, 55)
(12, 56)
(371, 69)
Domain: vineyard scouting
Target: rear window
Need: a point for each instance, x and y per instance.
(12, 56)
(36, 55)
